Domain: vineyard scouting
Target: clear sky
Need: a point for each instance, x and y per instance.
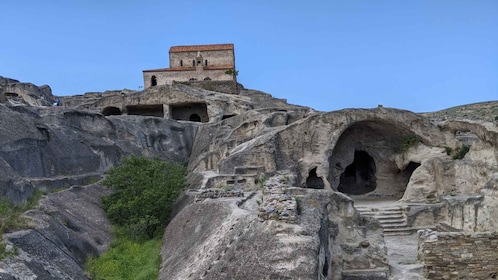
(419, 55)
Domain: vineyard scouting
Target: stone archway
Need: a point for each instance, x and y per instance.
(363, 160)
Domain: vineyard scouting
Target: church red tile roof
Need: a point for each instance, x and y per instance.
(215, 47)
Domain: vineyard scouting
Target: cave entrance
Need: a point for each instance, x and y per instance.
(313, 181)
(194, 118)
(194, 112)
(110, 111)
(359, 177)
(156, 110)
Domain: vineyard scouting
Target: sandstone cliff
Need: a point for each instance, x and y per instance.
(300, 172)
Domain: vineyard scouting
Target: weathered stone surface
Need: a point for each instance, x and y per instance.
(225, 239)
(66, 228)
(25, 93)
(458, 255)
(239, 142)
(49, 147)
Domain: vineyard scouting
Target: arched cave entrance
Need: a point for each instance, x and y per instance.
(359, 177)
(111, 111)
(313, 181)
(194, 118)
(363, 162)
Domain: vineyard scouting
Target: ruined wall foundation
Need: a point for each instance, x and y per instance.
(458, 255)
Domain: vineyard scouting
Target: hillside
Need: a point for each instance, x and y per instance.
(483, 111)
(274, 188)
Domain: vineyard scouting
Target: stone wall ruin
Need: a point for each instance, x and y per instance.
(458, 255)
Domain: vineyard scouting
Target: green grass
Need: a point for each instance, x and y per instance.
(127, 259)
(11, 218)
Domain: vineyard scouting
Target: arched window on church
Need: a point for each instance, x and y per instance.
(153, 81)
(181, 63)
(206, 62)
(193, 62)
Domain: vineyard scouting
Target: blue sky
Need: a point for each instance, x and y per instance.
(419, 55)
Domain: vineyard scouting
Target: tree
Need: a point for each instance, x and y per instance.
(145, 192)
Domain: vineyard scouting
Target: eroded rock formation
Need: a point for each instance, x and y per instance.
(299, 170)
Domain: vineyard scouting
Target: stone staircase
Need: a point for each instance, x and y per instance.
(392, 218)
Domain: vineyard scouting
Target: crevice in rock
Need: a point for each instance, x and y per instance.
(324, 258)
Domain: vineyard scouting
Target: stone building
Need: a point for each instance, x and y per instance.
(194, 63)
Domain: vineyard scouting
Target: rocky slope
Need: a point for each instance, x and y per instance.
(299, 172)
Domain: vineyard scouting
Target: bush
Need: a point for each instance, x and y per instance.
(409, 141)
(460, 152)
(145, 192)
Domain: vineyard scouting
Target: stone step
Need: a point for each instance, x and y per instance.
(391, 219)
(406, 231)
(394, 221)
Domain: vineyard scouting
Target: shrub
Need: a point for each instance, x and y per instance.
(409, 141)
(460, 152)
(145, 192)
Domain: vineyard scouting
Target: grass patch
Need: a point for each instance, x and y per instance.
(127, 259)
(11, 218)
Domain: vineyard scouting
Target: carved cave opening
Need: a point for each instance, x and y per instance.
(313, 181)
(111, 111)
(194, 112)
(156, 110)
(363, 162)
(359, 177)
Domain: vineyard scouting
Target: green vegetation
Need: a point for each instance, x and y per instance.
(232, 72)
(145, 192)
(460, 152)
(140, 208)
(448, 150)
(127, 259)
(11, 218)
(409, 141)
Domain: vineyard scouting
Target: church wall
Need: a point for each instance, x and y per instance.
(214, 58)
(167, 77)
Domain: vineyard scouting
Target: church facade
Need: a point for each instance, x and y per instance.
(194, 63)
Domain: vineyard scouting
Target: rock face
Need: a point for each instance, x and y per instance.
(224, 239)
(66, 228)
(52, 147)
(25, 93)
(299, 172)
